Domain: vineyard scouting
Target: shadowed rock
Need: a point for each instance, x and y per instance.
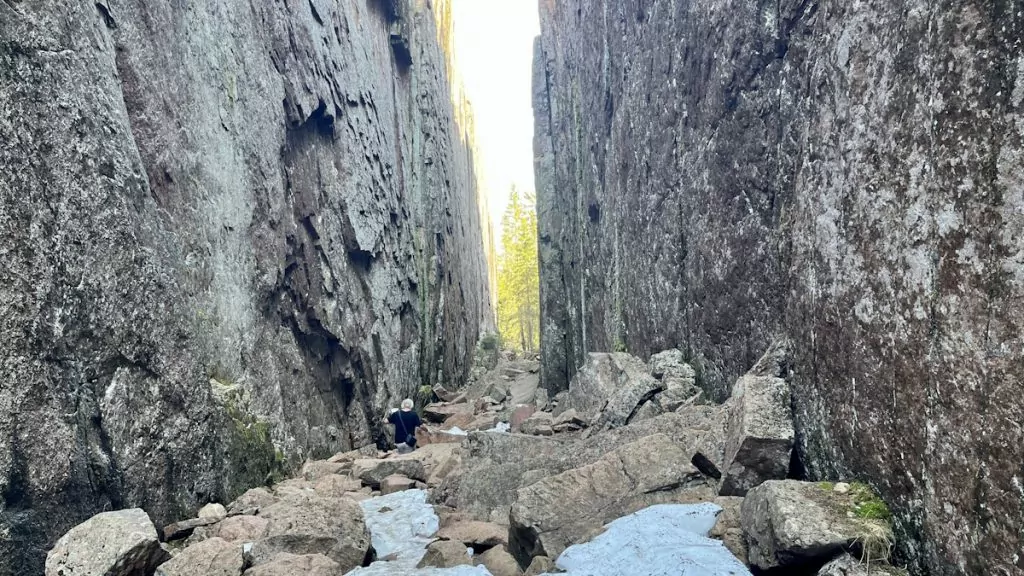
(122, 543)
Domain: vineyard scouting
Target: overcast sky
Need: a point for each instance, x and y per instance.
(494, 55)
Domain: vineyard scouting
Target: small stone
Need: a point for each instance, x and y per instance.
(841, 487)
(213, 511)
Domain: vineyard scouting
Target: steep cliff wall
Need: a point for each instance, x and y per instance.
(231, 233)
(848, 174)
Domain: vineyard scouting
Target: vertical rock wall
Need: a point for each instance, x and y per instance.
(850, 175)
(232, 232)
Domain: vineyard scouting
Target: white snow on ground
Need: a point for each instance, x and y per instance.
(503, 427)
(403, 524)
(457, 431)
(663, 540)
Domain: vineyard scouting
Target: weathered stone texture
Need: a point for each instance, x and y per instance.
(225, 226)
(847, 174)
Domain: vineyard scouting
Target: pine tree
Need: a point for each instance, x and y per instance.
(518, 275)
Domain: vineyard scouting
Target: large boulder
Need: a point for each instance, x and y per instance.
(396, 483)
(729, 526)
(314, 470)
(212, 557)
(373, 472)
(610, 388)
(439, 413)
(556, 512)
(310, 524)
(242, 528)
(760, 438)
(285, 564)
(792, 524)
(121, 543)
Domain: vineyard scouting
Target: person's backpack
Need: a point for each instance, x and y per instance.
(410, 440)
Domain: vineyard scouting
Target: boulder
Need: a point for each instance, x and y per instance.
(336, 486)
(540, 399)
(499, 562)
(366, 451)
(539, 424)
(311, 524)
(373, 472)
(445, 554)
(552, 514)
(479, 536)
(212, 557)
(729, 526)
(115, 543)
(445, 395)
(238, 529)
(847, 565)
(438, 413)
(670, 364)
(609, 388)
(396, 483)
(255, 498)
(293, 486)
(760, 435)
(485, 404)
(425, 435)
(540, 565)
(792, 524)
(184, 528)
(213, 511)
(317, 469)
(285, 564)
(520, 414)
(568, 421)
(463, 420)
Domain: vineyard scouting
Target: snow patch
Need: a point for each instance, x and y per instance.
(403, 524)
(663, 540)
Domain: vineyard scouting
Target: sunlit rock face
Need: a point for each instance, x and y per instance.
(847, 174)
(232, 232)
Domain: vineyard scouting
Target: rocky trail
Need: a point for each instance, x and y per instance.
(629, 472)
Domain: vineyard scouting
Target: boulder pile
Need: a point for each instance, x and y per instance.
(627, 435)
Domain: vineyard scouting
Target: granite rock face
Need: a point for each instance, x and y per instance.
(232, 232)
(711, 175)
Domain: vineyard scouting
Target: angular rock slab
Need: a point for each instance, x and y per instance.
(477, 535)
(760, 437)
(310, 524)
(116, 543)
(552, 514)
(790, 524)
(213, 557)
(610, 387)
(285, 564)
(373, 472)
(499, 562)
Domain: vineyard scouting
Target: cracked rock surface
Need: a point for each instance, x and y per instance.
(232, 233)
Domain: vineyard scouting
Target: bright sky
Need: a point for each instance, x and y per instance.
(494, 56)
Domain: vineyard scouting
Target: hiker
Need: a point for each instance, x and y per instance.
(406, 421)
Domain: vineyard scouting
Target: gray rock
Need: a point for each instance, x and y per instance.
(258, 225)
(121, 543)
(184, 528)
(790, 523)
(477, 535)
(213, 510)
(713, 175)
(445, 554)
(609, 388)
(315, 470)
(310, 524)
(552, 514)
(257, 498)
(847, 565)
(242, 528)
(729, 526)
(760, 440)
(670, 364)
(540, 565)
(396, 483)
(499, 562)
(212, 557)
(373, 472)
(285, 564)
